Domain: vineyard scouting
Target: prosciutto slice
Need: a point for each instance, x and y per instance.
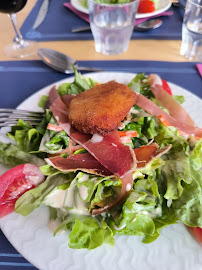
(57, 107)
(84, 162)
(153, 109)
(145, 154)
(168, 102)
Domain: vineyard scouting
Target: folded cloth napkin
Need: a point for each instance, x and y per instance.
(85, 16)
(199, 67)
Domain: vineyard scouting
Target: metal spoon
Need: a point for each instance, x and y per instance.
(148, 25)
(61, 62)
(144, 26)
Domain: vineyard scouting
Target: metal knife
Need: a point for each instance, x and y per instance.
(81, 29)
(42, 14)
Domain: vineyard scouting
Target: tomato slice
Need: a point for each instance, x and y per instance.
(166, 87)
(146, 6)
(54, 127)
(15, 183)
(197, 233)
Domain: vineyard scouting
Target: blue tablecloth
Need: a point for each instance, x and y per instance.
(20, 79)
(60, 21)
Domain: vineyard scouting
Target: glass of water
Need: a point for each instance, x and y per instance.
(112, 25)
(191, 46)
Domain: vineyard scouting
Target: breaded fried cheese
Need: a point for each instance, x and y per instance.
(101, 108)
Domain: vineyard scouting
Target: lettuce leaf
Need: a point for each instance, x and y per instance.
(88, 233)
(188, 206)
(140, 84)
(79, 85)
(43, 101)
(26, 136)
(11, 156)
(35, 197)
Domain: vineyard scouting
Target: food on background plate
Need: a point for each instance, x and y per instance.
(134, 177)
(145, 6)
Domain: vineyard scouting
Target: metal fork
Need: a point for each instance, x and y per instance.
(9, 117)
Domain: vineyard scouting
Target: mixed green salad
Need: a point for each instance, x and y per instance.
(166, 190)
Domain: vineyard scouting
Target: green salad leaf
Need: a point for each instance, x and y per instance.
(88, 233)
(33, 198)
(26, 136)
(11, 156)
(188, 206)
(79, 85)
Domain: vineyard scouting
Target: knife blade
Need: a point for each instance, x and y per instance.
(81, 29)
(42, 14)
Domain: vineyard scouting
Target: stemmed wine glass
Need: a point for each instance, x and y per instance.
(20, 48)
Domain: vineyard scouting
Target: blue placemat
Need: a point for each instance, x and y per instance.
(60, 21)
(26, 77)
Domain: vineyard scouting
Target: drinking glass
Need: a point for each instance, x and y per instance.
(112, 25)
(191, 46)
(20, 48)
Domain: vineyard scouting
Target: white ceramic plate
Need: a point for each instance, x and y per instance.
(162, 6)
(175, 248)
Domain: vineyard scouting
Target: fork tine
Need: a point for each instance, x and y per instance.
(17, 116)
(9, 117)
(23, 118)
(13, 123)
(7, 110)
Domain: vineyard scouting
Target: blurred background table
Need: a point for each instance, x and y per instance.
(159, 50)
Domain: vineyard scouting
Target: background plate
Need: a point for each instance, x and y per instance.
(175, 248)
(162, 6)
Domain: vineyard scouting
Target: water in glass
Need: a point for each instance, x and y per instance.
(112, 31)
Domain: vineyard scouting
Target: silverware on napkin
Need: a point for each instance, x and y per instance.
(42, 14)
(140, 27)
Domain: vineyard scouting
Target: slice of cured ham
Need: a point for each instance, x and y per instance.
(84, 162)
(153, 109)
(145, 154)
(168, 102)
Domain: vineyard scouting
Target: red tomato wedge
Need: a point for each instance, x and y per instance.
(197, 233)
(146, 6)
(166, 87)
(15, 183)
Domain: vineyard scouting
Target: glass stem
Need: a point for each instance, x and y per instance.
(18, 37)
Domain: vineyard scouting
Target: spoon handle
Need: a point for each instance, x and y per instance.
(80, 68)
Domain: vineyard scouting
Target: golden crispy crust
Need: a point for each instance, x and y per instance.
(101, 108)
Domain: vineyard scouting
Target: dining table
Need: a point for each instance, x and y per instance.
(21, 78)
(156, 50)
